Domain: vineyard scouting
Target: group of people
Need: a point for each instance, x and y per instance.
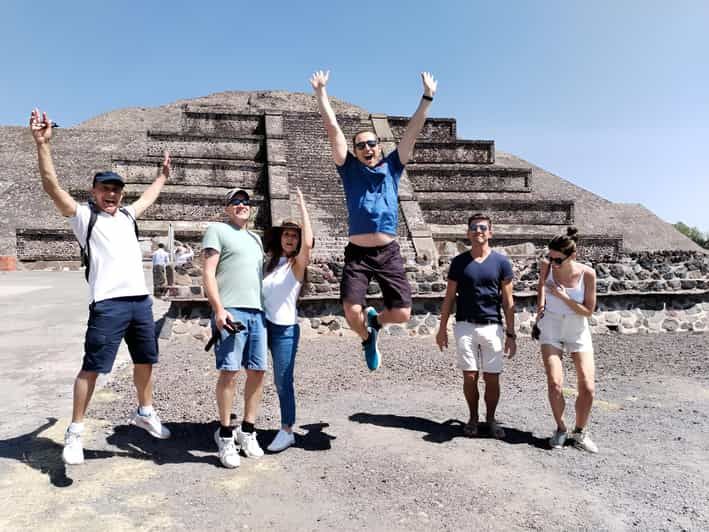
(253, 288)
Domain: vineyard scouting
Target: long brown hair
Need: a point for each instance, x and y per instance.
(274, 249)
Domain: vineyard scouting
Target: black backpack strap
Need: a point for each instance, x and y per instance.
(86, 248)
(135, 223)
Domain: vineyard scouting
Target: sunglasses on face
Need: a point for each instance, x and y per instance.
(239, 201)
(556, 260)
(478, 227)
(361, 145)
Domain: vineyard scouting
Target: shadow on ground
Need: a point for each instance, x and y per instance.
(45, 455)
(443, 432)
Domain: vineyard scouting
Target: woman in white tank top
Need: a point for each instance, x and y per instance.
(566, 297)
(288, 255)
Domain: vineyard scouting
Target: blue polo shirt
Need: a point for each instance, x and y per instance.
(479, 297)
(372, 194)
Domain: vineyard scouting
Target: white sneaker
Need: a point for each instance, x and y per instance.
(558, 439)
(228, 453)
(283, 440)
(151, 424)
(584, 442)
(73, 452)
(249, 444)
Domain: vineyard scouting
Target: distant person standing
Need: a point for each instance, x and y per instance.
(566, 297)
(120, 307)
(480, 283)
(161, 259)
(371, 185)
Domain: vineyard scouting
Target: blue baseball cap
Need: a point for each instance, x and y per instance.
(108, 177)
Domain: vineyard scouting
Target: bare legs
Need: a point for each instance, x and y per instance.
(472, 396)
(585, 375)
(226, 389)
(354, 314)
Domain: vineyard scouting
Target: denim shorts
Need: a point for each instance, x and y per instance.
(247, 349)
(112, 320)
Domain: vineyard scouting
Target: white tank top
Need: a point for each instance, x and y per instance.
(280, 294)
(555, 304)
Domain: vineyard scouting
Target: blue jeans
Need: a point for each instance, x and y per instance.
(283, 343)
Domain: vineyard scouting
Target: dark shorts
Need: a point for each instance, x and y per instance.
(383, 263)
(112, 320)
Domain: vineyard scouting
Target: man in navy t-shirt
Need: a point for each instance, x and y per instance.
(371, 184)
(480, 283)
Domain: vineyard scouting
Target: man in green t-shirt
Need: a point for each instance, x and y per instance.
(233, 260)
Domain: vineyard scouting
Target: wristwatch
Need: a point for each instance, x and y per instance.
(511, 335)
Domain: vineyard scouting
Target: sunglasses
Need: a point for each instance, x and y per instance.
(478, 227)
(362, 144)
(556, 260)
(238, 201)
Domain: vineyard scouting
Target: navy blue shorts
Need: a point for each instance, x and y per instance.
(112, 320)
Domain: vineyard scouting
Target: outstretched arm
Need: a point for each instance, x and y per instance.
(306, 238)
(151, 193)
(41, 128)
(406, 146)
(338, 143)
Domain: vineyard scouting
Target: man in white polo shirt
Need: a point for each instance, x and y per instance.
(120, 304)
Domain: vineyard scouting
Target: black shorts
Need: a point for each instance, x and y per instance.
(112, 320)
(385, 264)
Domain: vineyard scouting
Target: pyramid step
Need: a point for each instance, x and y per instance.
(181, 144)
(460, 151)
(434, 129)
(502, 211)
(220, 121)
(219, 172)
(432, 177)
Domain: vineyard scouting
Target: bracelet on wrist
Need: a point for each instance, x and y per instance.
(511, 335)
(429, 98)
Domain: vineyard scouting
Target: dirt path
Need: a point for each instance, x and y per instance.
(385, 451)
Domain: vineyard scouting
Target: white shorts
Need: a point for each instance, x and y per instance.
(479, 347)
(568, 332)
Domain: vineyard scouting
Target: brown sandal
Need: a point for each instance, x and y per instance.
(470, 430)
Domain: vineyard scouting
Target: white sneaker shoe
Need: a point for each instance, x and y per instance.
(558, 439)
(73, 452)
(283, 440)
(228, 453)
(249, 444)
(584, 442)
(151, 424)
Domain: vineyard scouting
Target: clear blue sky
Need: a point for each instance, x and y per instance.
(612, 95)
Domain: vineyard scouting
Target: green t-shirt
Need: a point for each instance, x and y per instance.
(239, 271)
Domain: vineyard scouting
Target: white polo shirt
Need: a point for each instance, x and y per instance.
(116, 259)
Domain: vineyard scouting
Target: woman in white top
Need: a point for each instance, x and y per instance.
(566, 297)
(288, 254)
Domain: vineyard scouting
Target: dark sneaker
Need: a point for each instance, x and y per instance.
(371, 351)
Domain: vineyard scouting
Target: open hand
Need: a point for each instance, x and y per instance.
(319, 79)
(429, 84)
(41, 126)
(510, 346)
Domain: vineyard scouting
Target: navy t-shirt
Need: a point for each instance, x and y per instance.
(478, 297)
(372, 194)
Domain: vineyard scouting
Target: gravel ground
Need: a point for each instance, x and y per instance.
(392, 455)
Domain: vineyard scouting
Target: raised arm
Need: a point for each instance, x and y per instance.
(406, 146)
(338, 143)
(41, 128)
(306, 238)
(151, 193)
